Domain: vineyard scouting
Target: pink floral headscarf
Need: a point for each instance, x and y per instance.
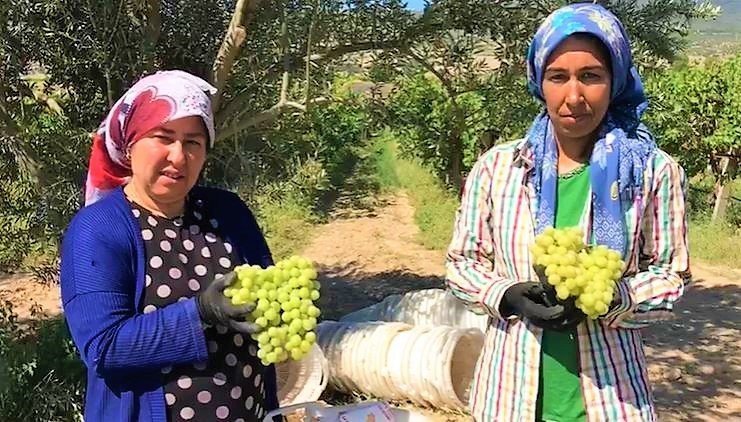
(154, 100)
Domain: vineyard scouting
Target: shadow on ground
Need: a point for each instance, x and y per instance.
(696, 359)
(348, 289)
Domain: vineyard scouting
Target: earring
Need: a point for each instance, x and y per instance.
(128, 153)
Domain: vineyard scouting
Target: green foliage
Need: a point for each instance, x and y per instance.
(41, 376)
(716, 243)
(34, 212)
(434, 204)
(692, 114)
(289, 175)
(303, 159)
(425, 117)
(701, 199)
(384, 157)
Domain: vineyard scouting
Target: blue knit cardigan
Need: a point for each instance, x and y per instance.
(102, 283)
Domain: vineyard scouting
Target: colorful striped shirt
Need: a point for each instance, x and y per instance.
(489, 253)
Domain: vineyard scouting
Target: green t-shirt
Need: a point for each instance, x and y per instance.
(560, 396)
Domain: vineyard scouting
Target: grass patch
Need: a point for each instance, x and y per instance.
(715, 243)
(385, 164)
(287, 227)
(435, 206)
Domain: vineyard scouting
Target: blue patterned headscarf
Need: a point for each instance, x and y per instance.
(623, 146)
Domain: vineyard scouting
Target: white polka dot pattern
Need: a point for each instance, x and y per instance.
(183, 255)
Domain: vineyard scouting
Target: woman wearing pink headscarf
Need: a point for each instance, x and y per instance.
(144, 264)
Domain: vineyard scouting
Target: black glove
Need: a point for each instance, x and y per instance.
(527, 300)
(215, 308)
(572, 316)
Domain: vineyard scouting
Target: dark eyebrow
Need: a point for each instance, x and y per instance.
(560, 69)
(187, 135)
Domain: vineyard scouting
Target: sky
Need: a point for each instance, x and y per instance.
(415, 4)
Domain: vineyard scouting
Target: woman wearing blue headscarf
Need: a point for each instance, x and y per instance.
(586, 161)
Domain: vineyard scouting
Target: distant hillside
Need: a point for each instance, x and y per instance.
(719, 36)
(728, 22)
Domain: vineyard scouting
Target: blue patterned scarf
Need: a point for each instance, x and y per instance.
(623, 146)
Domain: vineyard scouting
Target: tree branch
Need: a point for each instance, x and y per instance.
(266, 115)
(341, 50)
(443, 80)
(230, 48)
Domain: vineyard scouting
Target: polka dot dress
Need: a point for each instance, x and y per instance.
(183, 255)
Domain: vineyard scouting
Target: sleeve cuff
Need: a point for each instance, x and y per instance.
(625, 305)
(196, 329)
(491, 297)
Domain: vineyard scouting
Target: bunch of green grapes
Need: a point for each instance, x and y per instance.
(576, 270)
(285, 296)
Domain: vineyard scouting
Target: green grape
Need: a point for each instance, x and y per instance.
(570, 283)
(271, 314)
(587, 299)
(296, 326)
(554, 279)
(600, 307)
(304, 293)
(309, 273)
(309, 324)
(295, 340)
(562, 291)
(284, 297)
(537, 250)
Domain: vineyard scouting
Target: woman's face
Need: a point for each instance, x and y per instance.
(576, 87)
(167, 161)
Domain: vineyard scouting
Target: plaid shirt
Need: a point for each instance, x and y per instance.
(489, 253)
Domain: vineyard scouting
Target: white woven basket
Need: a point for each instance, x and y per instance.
(304, 380)
(430, 307)
(429, 366)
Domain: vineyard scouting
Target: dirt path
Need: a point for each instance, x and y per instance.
(695, 361)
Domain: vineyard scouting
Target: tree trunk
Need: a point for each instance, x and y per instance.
(231, 46)
(456, 162)
(728, 166)
(151, 34)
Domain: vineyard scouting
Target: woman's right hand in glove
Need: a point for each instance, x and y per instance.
(215, 308)
(527, 300)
